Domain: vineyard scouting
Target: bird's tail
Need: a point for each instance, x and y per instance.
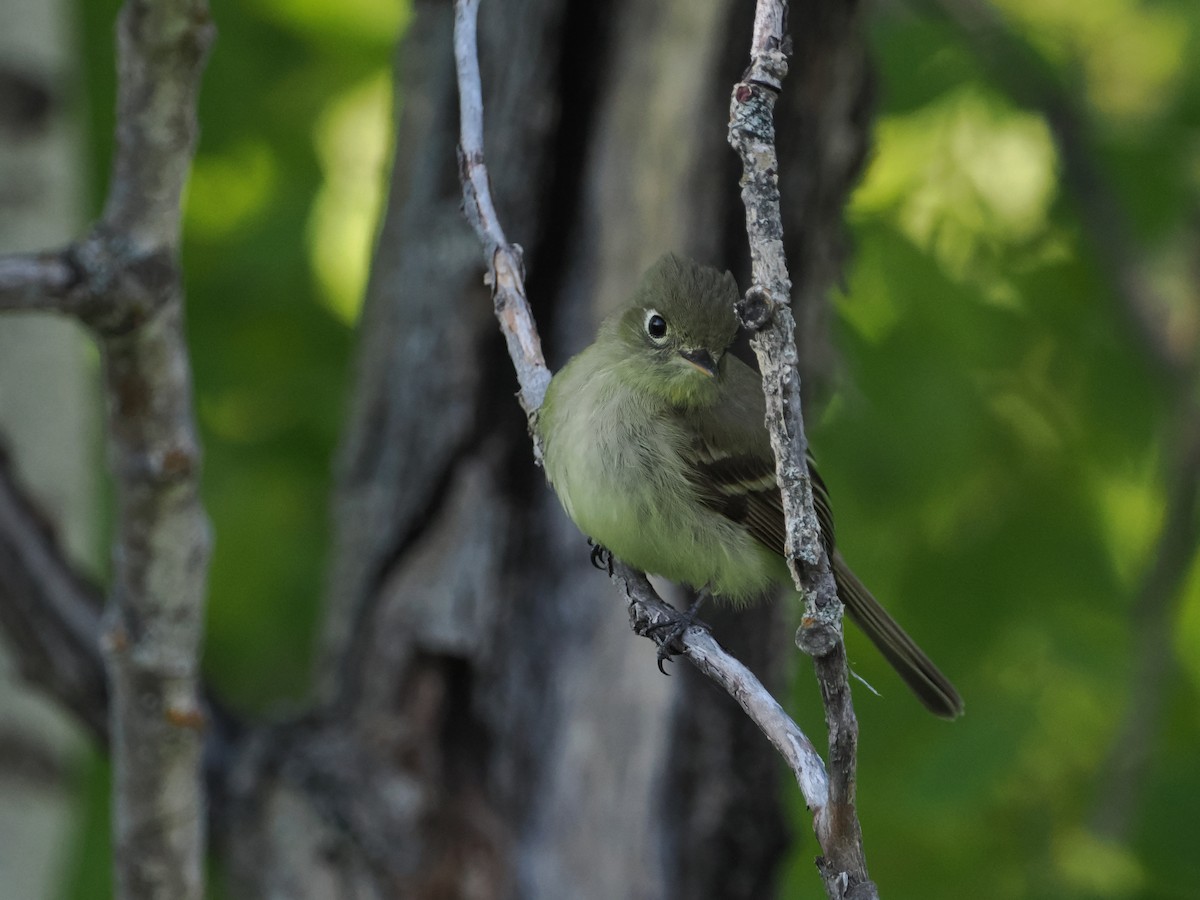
(932, 688)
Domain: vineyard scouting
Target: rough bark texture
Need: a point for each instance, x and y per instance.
(156, 606)
(767, 311)
(123, 281)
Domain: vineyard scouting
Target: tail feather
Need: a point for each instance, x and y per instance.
(932, 688)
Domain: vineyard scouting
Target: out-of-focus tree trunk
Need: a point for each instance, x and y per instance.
(489, 727)
(49, 416)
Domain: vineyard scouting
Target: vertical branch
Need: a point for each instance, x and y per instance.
(123, 281)
(155, 613)
(766, 310)
(506, 269)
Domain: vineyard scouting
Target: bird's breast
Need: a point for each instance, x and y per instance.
(615, 461)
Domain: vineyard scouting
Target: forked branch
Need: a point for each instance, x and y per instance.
(123, 281)
(647, 610)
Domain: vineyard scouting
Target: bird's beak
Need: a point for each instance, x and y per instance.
(702, 360)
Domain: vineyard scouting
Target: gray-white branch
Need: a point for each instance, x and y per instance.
(506, 270)
(650, 615)
(766, 310)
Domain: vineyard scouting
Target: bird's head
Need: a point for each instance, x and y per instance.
(675, 329)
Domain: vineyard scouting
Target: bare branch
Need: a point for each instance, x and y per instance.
(766, 310)
(516, 320)
(104, 280)
(51, 614)
(506, 271)
(35, 281)
(651, 617)
(161, 51)
(118, 275)
(123, 281)
(155, 617)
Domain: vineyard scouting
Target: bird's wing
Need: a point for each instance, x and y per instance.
(732, 467)
(729, 460)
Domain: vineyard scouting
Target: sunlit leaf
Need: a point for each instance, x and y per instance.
(353, 139)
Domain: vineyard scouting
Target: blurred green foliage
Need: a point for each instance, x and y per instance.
(996, 452)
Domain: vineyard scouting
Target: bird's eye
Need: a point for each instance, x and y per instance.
(656, 326)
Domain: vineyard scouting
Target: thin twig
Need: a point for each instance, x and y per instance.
(516, 321)
(35, 281)
(767, 311)
(651, 617)
(506, 269)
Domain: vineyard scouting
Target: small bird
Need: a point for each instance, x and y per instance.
(656, 444)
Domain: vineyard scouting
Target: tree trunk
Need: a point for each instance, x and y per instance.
(488, 725)
(49, 419)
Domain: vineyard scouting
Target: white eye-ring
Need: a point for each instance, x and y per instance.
(656, 325)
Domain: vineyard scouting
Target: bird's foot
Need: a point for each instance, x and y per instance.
(673, 629)
(601, 557)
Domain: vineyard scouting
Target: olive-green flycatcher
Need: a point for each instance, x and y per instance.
(656, 444)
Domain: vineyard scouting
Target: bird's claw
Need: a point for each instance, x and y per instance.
(668, 642)
(675, 626)
(601, 558)
(665, 654)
